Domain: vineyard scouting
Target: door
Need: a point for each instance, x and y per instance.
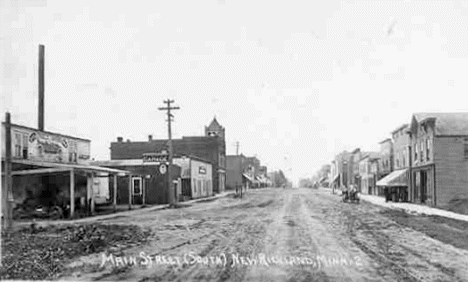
(423, 186)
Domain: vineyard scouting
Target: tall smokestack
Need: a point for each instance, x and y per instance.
(41, 88)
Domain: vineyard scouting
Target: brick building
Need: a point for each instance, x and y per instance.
(211, 147)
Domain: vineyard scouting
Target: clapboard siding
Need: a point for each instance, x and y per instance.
(451, 170)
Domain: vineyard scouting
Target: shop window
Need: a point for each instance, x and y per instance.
(136, 185)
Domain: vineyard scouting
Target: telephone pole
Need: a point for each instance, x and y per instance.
(168, 108)
(8, 178)
(237, 148)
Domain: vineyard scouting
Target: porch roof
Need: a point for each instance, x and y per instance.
(64, 167)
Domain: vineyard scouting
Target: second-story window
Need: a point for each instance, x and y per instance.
(422, 151)
(404, 157)
(21, 145)
(428, 149)
(416, 152)
(465, 147)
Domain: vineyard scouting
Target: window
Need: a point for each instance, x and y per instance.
(136, 185)
(25, 146)
(428, 149)
(422, 151)
(466, 150)
(18, 143)
(72, 151)
(415, 152)
(21, 145)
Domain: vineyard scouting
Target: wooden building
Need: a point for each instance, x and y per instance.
(439, 158)
(196, 177)
(368, 177)
(396, 181)
(52, 170)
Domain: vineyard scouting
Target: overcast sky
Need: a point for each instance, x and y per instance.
(293, 82)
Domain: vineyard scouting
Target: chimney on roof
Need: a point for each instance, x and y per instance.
(150, 137)
(128, 140)
(41, 89)
(119, 139)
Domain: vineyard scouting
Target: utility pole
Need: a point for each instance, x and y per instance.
(8, 178)
(237, 148)
(168, 108)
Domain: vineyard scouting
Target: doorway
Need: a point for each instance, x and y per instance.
(423, 186)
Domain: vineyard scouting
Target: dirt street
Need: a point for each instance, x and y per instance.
(276, 235)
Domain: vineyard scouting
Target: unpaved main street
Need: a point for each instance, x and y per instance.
(276, 235)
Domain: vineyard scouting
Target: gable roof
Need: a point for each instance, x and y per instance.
(446, 123)
(403, 126)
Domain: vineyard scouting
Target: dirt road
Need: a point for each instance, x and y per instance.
(276, 235)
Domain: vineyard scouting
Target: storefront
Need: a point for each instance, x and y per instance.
(422, 191)
(196, 177)
(148, 182)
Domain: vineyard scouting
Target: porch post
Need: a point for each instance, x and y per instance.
(130, 196)
(72, 193)
(143, 186)
(88, 193)
(114, 196)
(92, 194)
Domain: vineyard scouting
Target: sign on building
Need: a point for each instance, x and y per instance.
(202, 170)
(162, 157)
(32, 144)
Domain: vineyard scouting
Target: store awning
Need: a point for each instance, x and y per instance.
(396, 178)
(336, 178)
(247, 177)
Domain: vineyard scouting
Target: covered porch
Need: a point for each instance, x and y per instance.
(395, 186)
(60, 186)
